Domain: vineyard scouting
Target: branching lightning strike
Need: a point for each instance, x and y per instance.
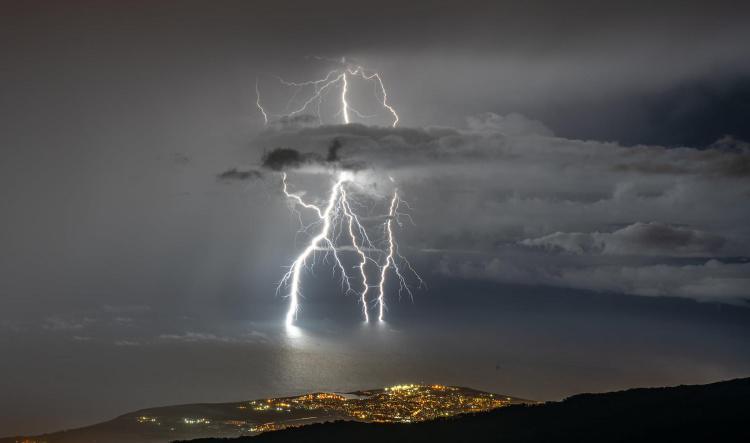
(320, 88)
(337, 218)
(352, 221)
(338, 211)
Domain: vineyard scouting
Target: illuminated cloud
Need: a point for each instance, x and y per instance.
(505, 185)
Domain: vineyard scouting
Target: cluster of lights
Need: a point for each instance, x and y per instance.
(196, 421)
(405, 403)
(402, 387)
(400, 403)
(266, 427)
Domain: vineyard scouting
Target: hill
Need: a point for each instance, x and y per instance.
(402, 403)
(718, 412)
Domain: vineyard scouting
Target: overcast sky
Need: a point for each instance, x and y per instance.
(578, 174)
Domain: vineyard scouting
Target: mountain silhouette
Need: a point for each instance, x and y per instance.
(718, 412)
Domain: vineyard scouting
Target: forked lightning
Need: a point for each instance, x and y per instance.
(338, 218)
(317, 91)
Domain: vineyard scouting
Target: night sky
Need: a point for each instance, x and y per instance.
(578, 176)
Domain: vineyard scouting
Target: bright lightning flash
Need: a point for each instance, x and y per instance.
(338, 218)
(318, 90)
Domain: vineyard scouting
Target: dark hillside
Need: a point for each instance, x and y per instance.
(718, 412)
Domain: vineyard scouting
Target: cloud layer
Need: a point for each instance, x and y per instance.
(636, 239)
(526, 206)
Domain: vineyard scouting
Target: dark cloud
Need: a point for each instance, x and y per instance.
(512, 138)
(279, 159)
(505, 182)
(513, 124)
(284, 158)
(726, 157)
(712, 280)
(236, 174)
(636, 239)
(647, 167)
(286, 122)
(673, 73)
(333, 151)
(737, 164)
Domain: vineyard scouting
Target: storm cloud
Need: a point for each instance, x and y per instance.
(712, 280)
(636, 239)
(503, 184)
(609, 135)
(279, 159)
(236, 174)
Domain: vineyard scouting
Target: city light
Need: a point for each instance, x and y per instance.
(403, 403)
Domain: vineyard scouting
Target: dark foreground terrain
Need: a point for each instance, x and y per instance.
(718, 412)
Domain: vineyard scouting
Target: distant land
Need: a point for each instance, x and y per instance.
(718, 412)
(406, 403)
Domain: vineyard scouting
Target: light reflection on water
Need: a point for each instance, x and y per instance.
(293, 332)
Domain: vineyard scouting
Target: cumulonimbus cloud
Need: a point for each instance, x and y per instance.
(637, 239)
(506, 182)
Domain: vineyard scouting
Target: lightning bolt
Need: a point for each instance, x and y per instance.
(337, 218)
(294, 273)
(384, 100)
(338, 211)
(335, 78)
(257, 103)
(390, 258)
(344, 103)
(353, 220)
